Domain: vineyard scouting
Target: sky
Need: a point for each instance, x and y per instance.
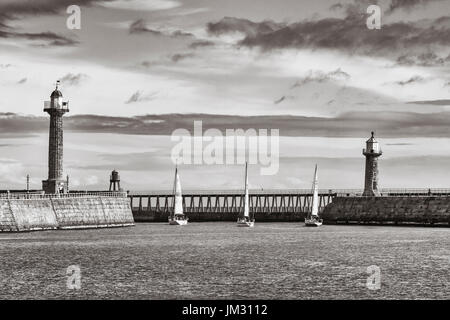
(139, 69)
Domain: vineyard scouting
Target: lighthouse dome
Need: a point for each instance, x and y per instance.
(56, 94)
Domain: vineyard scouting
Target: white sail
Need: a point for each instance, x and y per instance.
(315, 197)
(178, 207)
(246, 209)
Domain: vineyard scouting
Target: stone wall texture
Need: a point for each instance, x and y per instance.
(395, 210)
(64, 213)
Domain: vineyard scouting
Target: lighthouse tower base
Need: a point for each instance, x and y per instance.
(54, 186)
(371, 193)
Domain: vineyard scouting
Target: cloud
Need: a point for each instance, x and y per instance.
(167, 60)
(50, 38)
(181, 56)
(336, 6)
(201, 44)
(350, 124)
(73, 79)
(247, 27)
(141, 5)
(134, 97)
(179, 33)
(414, 79)
(280, 100)
(5, 66)
(348, 34)
(283, 98)
(139, 96)
(320, 76)
(16, 124)
(444, 102)
(26, 7)
(21, 81)
(400, 144)
(139, 26)
(18, 9)
(407, 4)
(428, 59)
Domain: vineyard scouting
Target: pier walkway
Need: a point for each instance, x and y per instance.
(271, 205)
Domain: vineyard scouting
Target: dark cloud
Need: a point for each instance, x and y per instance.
(201, 43)
(279, 100)
(14, 10)
(250, 28)
(50, 38)
(353, 124)
(284, 98)
(21, 81)
(20, 8)
(140, 26)
(181, 56)
(407, 4)
(400, 144)
(17, 124)
(336, 6)
(73, 79)
(5, 66)
(415, 79)
(348, 34)
(148, 64)
(139, 96)
(388, 6)
(134, 97)
(180, 33)
(167, 60)
(320, 77)
(428, 59)
(433, 102)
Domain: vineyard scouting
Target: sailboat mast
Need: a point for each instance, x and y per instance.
(246, 208)
(174, 190)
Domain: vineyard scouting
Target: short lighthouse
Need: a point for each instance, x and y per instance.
(372, 152)
(56, 108)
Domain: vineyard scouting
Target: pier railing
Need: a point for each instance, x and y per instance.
(410, 192)
(337, 192)
(24, 195)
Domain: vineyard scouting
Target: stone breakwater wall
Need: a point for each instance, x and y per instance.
(21, 214)
(152, 216)
(423, 210)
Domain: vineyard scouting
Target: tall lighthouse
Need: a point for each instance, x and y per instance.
(372, 152)
(56, 108)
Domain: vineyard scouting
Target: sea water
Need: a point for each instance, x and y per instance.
(218, 260)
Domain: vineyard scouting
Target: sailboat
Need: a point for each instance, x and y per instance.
(177, 216)
(312, 219)
(244, 217)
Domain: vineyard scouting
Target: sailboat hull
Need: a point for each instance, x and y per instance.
(245, 223)
(313, 222)
(178, 222)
